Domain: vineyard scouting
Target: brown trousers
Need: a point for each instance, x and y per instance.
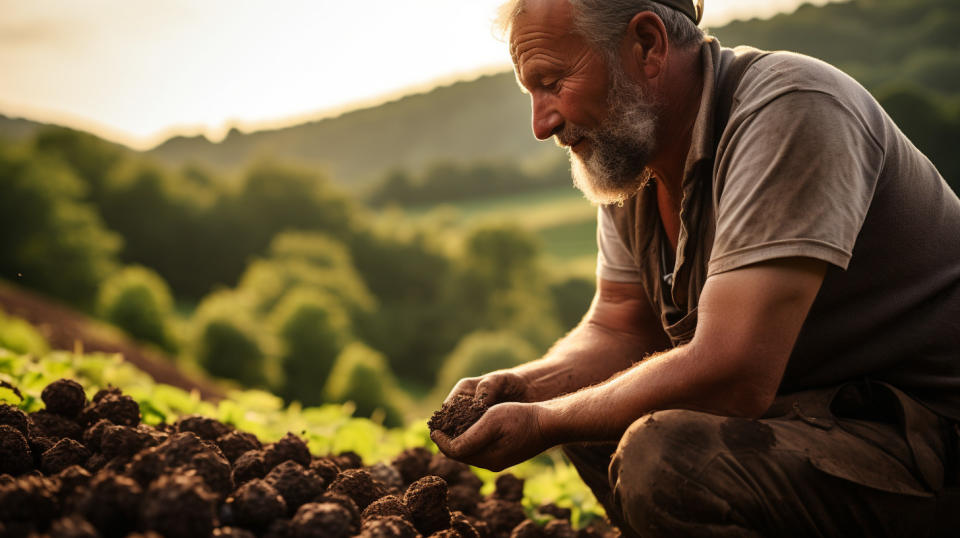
(862, 459)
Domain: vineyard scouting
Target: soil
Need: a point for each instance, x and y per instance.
(91, 470)
(456, 417)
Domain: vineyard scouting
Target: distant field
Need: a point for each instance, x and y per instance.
(562, 218)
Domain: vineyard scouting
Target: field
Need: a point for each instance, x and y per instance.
(562, 219)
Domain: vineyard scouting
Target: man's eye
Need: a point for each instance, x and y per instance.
(550, 84)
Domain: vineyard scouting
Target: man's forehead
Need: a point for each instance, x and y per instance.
(541, 22)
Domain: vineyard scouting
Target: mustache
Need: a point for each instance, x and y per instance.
(570, 135)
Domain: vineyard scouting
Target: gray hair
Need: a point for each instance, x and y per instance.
(604, 22)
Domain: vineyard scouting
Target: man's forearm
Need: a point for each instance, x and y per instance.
(587, 355)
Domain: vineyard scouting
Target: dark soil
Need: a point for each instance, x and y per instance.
(88, 470)
(457, 416)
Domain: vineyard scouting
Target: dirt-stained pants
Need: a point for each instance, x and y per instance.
(862, 459)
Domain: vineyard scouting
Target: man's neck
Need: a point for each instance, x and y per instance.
(681, 97)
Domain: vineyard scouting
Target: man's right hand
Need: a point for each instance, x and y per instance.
(493, 388)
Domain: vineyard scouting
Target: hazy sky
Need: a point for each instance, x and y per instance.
(138, 71)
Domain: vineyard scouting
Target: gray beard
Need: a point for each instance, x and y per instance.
(621, 147)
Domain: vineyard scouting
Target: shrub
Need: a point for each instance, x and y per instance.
(19, 336)
(226, 343)
(138, 301)
(482, 352)
(312, 329)
(361, 376)
(572, 298)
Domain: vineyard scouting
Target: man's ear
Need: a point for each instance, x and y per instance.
(647, 44)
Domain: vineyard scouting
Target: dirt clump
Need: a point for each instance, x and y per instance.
(15, 418)
(348, 460)
(64, 397)
(73, 526)
(501, 516)
(232, 532)
(454, 472)
(15, 455)
(527, 529)
(235, 443)
(508, 488)
(463, 498)
(296, 484)
(179, 505)
(322, 520)
(290, 447)
(388, 505)
(413, 464)
(550, 509)
(46, 424)
(123, 441)
(252, 464)
(359, 486)
(388, 527)
(112, 405)
(462, 525)
(254, 505)
(326, 468)
(64, 454)
(426, 499)
(559, 528)
(456, 417)
(111, 503)
(205, 428)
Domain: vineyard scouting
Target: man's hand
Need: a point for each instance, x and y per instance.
(493, 388)
(505, 435)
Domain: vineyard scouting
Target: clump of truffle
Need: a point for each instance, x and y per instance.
(14, 417)
(322, 520)
(458, 415)
(15, 455)
(64, 397)
(413, 464)
(454, 472)
(426, 499)
(508, 488)
(388, 476)
(250, 465)
(214, 470)
(348, 460)
(347, 503)
(256, 504)
(290, 447)
(388, 527)
(179, 505)
(65, 453)
(122, 441)
(463, 498)
(359, 486)
(296, 484)
(235, 443)
(462, 526)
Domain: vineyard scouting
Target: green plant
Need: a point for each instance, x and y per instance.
(361, 376)
(137, 300)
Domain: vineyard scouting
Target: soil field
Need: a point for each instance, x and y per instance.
(82, 468)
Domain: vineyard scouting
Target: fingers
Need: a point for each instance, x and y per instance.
(500, 387)
(465, 387)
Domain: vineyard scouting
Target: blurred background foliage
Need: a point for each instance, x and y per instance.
(379, 256)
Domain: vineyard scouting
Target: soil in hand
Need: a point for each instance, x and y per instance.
(456, 417)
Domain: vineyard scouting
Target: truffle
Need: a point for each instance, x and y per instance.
(64, 397)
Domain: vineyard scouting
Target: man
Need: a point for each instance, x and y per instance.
(774, 346)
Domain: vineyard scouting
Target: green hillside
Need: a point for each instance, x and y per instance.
(484, 119)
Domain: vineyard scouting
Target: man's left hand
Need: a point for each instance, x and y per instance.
(505, 435)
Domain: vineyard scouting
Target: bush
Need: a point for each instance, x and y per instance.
(226, 343)
(361, 376)
(19, 336)
(572, 297)
(480, 353)
(312, 329)
(138, 301)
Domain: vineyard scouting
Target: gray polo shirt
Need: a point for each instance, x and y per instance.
(810, 165)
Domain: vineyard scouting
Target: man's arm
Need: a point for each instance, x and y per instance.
(619, 329)
(748, 322)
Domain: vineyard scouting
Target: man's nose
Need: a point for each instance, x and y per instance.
(547, 120)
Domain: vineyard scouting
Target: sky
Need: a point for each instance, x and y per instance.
(139, 71)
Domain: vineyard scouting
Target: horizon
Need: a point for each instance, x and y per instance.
(257, 72)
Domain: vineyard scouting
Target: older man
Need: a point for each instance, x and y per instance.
(774, 346)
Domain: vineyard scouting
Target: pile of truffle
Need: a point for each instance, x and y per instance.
(89, 469)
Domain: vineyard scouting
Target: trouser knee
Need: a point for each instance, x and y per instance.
(656, 476)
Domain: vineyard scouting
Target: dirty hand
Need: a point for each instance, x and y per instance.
(499, 386)
(505, 435)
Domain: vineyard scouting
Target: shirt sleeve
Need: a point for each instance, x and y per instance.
(614, 261)
(795, 179)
